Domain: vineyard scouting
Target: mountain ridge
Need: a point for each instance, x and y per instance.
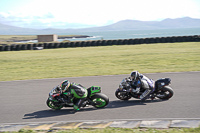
(128, 24)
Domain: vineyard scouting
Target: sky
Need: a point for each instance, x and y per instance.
(91, 13)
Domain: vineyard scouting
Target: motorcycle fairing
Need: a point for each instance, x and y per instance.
(162, 82)
(93, 89)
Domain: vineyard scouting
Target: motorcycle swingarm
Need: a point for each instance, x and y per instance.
(92, 103)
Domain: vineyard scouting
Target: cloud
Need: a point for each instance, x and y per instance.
(90, 13)
(21, 20)
(37, 22)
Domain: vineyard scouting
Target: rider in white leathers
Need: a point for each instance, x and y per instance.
(140, 81)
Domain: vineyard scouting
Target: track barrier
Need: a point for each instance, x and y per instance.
(45, 45)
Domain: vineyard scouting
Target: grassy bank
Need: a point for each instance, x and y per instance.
(120, 130)
(102, 60)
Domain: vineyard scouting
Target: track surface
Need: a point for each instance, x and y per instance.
(25, 101)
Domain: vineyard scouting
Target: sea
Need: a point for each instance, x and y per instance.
(130, 34)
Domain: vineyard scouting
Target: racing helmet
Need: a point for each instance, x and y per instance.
(135, 75)
(64, 85)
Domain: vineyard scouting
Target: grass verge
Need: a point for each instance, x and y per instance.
(101, 60)
(119, 130)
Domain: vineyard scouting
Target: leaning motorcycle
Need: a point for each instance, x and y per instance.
(94, 98)
(162, 90)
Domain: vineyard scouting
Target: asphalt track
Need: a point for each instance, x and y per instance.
(25, 101)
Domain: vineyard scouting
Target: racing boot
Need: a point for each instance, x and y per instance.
(79, 104)
(76, 108)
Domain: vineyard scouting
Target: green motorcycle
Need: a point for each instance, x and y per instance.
(94, 98)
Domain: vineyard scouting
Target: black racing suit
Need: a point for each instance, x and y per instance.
(74, 91)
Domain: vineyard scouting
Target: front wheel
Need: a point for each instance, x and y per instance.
(165, 93)
(53, 105)
(100, 100)
(122, 95)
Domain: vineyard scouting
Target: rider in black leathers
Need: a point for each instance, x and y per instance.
(71, 89)
(139, 81)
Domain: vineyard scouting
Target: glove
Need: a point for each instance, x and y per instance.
(131, 90)
(68, 93)
(137, 90)
(60, 99)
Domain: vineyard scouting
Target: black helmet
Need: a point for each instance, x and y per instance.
(65, 85)
(134, 75)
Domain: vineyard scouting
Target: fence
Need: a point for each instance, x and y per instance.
(18, 47)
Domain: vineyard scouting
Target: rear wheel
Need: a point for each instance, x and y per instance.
(53, 105)
(122, 95)
(165, 93)
(100, 100)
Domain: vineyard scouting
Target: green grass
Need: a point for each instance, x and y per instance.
(102, 60)
(129, 130)
(119, 130)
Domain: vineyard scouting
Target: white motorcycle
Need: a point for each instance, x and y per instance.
(162, 90)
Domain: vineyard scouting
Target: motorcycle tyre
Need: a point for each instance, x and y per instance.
(116, 94)
(54, 107)
(99, 97)
(170, 90)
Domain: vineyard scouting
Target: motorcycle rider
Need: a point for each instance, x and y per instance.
(140, 81)
(72, 90)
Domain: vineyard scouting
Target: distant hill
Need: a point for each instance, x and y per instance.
(151, 25)
(12, 30)
(185, 22)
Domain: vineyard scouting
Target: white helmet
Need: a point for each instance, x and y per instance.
(135, 75)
